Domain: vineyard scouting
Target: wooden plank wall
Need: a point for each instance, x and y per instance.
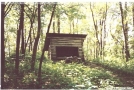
(66, 41)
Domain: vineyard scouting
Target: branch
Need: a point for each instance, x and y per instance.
(28, 7)
(8, 9)
(27, 14)
(122, 16)
(6, 3)
(34, 13)
(93, 17)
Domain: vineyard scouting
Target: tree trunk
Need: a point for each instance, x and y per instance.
(101, 38)
(123, 54)
(58, 23)
(18, 44)
(43, 51)
(54, 24)
(96, 32)
(77, 25)
(133, 15)
(87, 50)
(25, 40)
(36, 40)
(104, 35)
(73, 27)
(125, 30)
(97, 41)
(70, 26)
(8, 45)
(94, 50)
(18, 39)
(54, 7)
(22, 38)
(2, 45)
(29, 36)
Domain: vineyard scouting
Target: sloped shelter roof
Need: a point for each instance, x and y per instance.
(49, 35)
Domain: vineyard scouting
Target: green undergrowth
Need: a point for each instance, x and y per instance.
(117, 65)
(59, 75)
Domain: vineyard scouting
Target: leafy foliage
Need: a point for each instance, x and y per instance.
(57, 75)
(117, 65)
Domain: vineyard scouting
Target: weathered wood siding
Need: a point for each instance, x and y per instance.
(66, 41)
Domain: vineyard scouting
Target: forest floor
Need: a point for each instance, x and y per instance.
(126, 79)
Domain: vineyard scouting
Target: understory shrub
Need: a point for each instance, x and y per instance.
(117, 65)
(58, 75)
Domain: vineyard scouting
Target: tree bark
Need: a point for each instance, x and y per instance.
(2, 45)
(101, 37)
(125, 30)
(8, 41)
(96, 32)
(103, 33)
(73, 27)
(54, 24)
(43, 51)
(54, 7)
(77, 25)
(70, 27)
(36, 40)
(133, 15)
(29, 37)
(22, 36)
(18, 39)
(58, 23)
(18, 44)
(104, 36)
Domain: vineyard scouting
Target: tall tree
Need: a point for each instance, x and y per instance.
(58, 22)
(18, 42)
(125, 29)
(21, 24)
(103, 31)
(96, 31)
(36, 40)
(22, 35)
(58, 18)
(54, 24)
(54, 7)
(42, 55)
(104, 27)
(2, 45)
(133, 14)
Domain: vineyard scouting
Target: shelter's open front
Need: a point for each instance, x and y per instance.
(60, 46)
(66, 51)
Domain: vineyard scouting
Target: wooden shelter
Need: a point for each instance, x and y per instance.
(60, 46)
